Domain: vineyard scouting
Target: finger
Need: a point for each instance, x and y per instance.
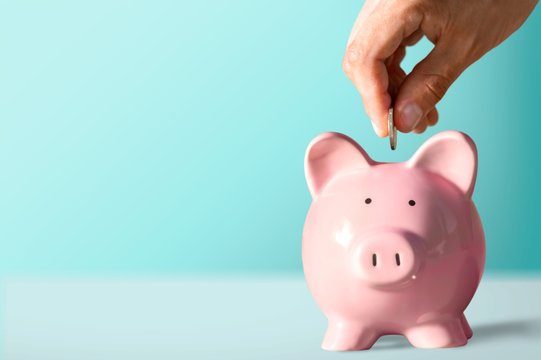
(425, 86)
(421, 127)
(429, 120)
(367, 9)
(396, 58)
(373, 88)
(391, 63)
(413, 38)
(400, 55)
(432, 117)
(395, 72)
(382, 34)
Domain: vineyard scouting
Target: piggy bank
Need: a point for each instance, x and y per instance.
(393, 248)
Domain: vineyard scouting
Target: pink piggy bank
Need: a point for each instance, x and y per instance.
(393, 248)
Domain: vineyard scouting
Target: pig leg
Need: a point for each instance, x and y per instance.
(347, 335)
(467, 329)
(437, 334)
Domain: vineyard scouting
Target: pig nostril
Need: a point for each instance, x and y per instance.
(397, 258)
(374, 259)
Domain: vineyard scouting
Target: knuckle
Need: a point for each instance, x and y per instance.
(346, 66)
(437, 85)
(352, 59)
(413, 11)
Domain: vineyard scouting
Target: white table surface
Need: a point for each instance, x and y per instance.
(232, 318)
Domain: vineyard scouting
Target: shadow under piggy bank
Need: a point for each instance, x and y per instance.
(524, 328)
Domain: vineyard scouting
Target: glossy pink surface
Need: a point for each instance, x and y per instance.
(393, 248)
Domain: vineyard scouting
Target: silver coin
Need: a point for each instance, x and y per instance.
(392, 129)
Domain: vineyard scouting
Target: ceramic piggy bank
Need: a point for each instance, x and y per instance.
(393, 248)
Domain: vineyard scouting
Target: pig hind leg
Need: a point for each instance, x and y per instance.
(466, 327)
(346, 336)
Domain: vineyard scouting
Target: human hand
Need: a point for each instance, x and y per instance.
(461, 30)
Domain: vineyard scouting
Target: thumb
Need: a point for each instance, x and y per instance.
(425, 86)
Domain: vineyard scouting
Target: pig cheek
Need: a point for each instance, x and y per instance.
(327, 239)
(446, 232)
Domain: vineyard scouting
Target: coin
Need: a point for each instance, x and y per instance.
(392, 129)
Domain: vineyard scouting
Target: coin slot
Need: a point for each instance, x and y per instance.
(374, 259)
(397, 258)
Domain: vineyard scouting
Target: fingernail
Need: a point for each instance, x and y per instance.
(410, 115)
(379, 132)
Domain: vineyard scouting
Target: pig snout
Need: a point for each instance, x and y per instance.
(386, 258)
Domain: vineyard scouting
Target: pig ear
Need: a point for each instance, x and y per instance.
(451, 154)
(330, 154)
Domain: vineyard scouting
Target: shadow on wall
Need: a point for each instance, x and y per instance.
(524, 329)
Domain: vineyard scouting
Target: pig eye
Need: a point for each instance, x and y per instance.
(367, 201)
(411, 202)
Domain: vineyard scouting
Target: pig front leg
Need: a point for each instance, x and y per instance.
(344, 335)
(437, 334)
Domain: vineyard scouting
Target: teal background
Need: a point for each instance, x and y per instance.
(166, 137)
